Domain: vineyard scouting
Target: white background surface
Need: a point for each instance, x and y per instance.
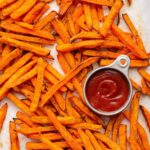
(139, 13)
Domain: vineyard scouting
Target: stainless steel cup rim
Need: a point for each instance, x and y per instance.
(123, 69)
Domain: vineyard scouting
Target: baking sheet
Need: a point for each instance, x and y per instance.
(139, 13)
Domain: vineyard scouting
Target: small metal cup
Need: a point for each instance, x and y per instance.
(123, 69)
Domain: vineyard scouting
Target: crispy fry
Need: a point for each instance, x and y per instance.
(110, 18)
(66, 135)
(123, 136)
(23, 9)
(134, 63)
(87, 14)
(81, 23)
(145, 87)
(38, 17)
(3, 112)
(25, 25)
(135, 85)
(146, 114)
(13, 136)
(116, 127)
(26, 46)
(50, 144)
(63, 120)
(93, 140)
(44, 21)
(11, 56)
(60, 29)
(77, 12)
(4, 3)
(39, 82)
(144, 74)
(11, 8)
(19, 29)
(99, 2)
(19, 103)
(128, 41)
(100, 13)
(133, 120)
(15, 67)
(107, 141)
(71, 25)
(86, 35)
(7, 49)
(89, 44)
(64, 6)
(86, 140)
(31, 15)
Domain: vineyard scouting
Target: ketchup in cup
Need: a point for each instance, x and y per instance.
(107, 90)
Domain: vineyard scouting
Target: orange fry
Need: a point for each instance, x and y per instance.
(39, 83)
(4, 3)
(145, 88)
(23, 9)
(31, 15)
(13, 136)
(110, 18)
(135, 85)
(77, 12)
(24, 45)
(128, 41)
(3, 112)
(146, 114)
(123, 136)
(62, 130)
(144, 74)
(25, 25)
(100, 13)
(44, 21)
(99, 2)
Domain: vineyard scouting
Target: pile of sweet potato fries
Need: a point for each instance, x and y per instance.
(53, 113)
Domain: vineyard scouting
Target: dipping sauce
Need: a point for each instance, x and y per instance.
(107, 90)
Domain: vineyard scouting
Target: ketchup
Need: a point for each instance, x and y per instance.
(107, 90)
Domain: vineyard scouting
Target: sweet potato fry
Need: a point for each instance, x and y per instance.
(135, 85)
(89, 126)
(24, 45)
(110, 18)
(144, 74)
(11, 56)
(77, 12)
(31, 15)
(23, 9)
(134, 31)
(145, 88)
(63, 120)
(25, 25)
(86, 35)
(50, 144)
(7, 49)
(27, 38)
(4, 3)
(62, 130)
(19, 103)
(95, 18)
(116, 127)
(86, 140)
(123, 136)
(13, 136)
(71, 25)
(128, 41)
(93, 140)
(100, 13)
(87, 14)
(38, 17)
(82, 74)
(11, 8)
(33, 130)
(107, 141)
(102, 54)
(64, 6)
(3, 112)
(23, 60)
(146, 114)
(99, 2)
(110, 126)
(39, 82)
(44, 21)
(19, 29)
(134, 63)
(89, 44)
(133, 120)
(60, 29)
